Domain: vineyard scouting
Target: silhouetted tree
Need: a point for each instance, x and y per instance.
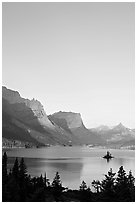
(97, 185)
(22, 170)
(121, 177)
(85, 192)
(40, 181)
(4, 166)
(15, 169)
(131, 180)
(122, 185)
(57, 186)
(131, 186)
(83, 186)
(4, 176)
(20, 187)
(23, 180)
(108, 186)
(56, 181)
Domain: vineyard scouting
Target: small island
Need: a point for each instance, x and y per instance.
(108, 156)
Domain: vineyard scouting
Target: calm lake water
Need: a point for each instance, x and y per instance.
(74, 164)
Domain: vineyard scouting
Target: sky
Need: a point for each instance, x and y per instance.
(77, 57)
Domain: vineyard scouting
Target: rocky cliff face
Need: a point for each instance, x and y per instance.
(13, 97)
(30, 116)
(73, 120)
(39, 113)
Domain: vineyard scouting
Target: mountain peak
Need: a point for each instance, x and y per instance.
(120, 126)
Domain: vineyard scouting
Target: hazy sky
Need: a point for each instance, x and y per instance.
(75, 57)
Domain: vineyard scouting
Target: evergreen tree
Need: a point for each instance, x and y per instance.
(57, 182)
(131, 186)
(22, 169)
(85, 192)
(57, 187)
(15, 169)
(121, 177)
(122, 185)
(108, 186)
(40, 181)
(4, 166)
(97, 185)
(23, 181)
(83, 186)
(4, 176)
(131, 180)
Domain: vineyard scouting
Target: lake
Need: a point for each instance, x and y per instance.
(74, 164)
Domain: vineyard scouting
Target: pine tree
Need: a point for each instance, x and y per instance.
(122, 185)
(83, 186)
(131, 180)
(57, 187)
(4, 176)
(108, 183)
(97, 185)
(131, 186)
(15, 170)
(121, 177)
(40, 181)
(4, 166)
(85, 192)
(57, 182)
(108, 186)
(22, 169)
(23, 181)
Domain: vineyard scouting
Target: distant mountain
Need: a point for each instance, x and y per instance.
(100, 128)
(118, 135)
(25, 123)
(73, 123)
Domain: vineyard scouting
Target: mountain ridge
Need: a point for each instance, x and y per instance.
(64, 128)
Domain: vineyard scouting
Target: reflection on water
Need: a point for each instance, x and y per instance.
(108, 159)
(74, 164)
